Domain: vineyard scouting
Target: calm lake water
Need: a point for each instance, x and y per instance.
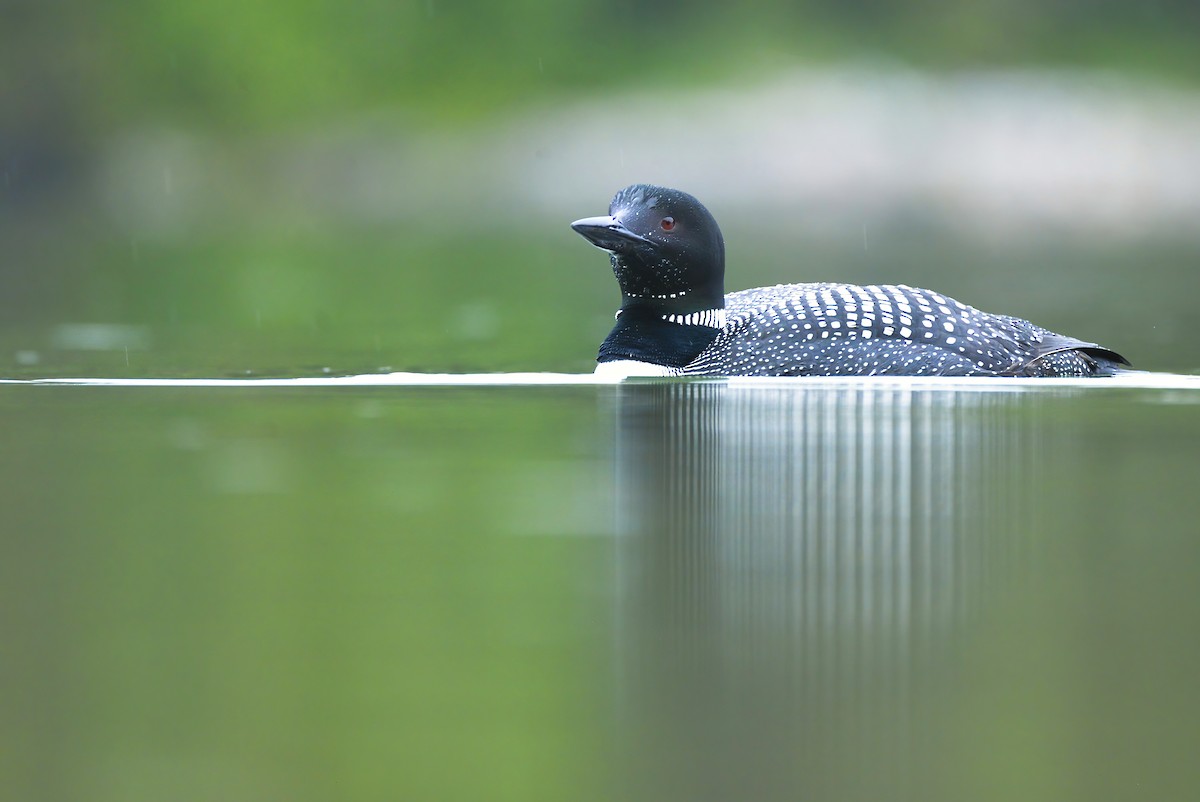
(927, 590)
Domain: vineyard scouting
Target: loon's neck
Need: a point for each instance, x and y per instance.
(704, 292)
(657, 335)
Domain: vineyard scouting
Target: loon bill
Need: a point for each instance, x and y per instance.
(675, 319)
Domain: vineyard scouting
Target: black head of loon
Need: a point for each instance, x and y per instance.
(666, 249)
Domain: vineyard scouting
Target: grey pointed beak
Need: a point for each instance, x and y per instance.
(607, 233)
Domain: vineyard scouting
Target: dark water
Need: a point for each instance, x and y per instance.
(778, 590)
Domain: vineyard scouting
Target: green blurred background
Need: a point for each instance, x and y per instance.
(371, 593)
(289, 187)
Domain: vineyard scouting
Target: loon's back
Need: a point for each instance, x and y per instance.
(850, 330)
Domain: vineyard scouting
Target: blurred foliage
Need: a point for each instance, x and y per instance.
(278, 63)
(72, 72)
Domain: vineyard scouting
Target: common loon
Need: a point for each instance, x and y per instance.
(675, 319)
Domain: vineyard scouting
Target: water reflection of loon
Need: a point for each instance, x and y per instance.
(796, 560)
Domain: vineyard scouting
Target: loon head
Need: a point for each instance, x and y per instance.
(666, 249)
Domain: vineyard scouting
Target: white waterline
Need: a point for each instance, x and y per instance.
(1132, 379)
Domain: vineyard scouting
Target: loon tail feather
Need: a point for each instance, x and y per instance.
(1056, 343)
(1104, 360)
(1106, 355)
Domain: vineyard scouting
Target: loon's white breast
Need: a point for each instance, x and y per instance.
(619, 369)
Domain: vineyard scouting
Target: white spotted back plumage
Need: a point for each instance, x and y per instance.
(845, 329)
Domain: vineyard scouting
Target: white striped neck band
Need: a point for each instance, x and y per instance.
(713, 318)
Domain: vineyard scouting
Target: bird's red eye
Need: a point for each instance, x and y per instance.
(667, 223)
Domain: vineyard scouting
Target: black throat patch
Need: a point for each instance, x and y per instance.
(642, 335)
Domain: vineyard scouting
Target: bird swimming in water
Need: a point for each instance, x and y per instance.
(675, 319)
